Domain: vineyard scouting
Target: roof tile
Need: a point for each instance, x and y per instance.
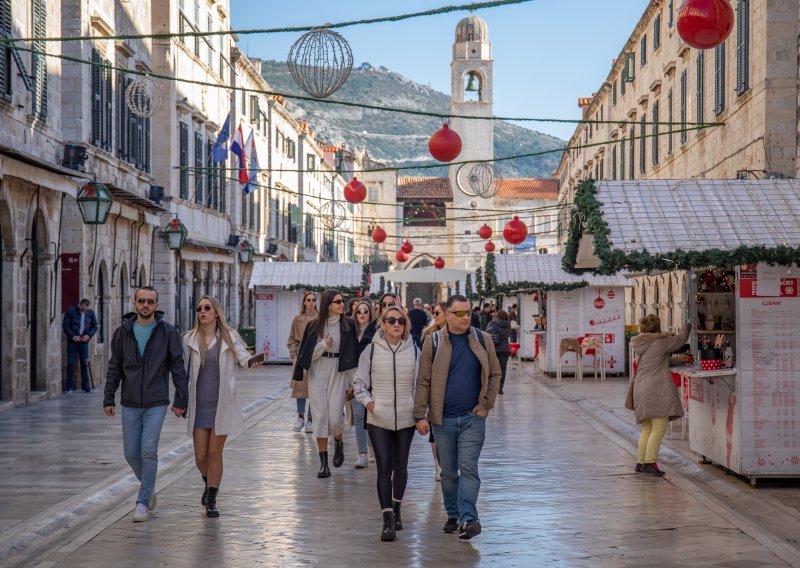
(424, 188)
(527, 188)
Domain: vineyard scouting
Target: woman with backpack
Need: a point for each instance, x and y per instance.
(500, 330)
(384, 384)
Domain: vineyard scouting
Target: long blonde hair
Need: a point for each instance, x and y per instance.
(225, 331)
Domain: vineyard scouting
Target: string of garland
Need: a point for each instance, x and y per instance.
(495, 289)
(468, 289)
(361, 290)
(587, 217)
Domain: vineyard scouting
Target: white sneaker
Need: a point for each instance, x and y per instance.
(140, 514)
(438, 476)
(309, 427)
(362, 461)
(151, 506)
(298, 424)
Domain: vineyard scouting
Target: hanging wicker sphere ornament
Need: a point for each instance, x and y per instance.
(407, 247)
(355, 191)
(489, 247)
(439, 263)
(485, 232)
(320, 62)
(378, 234)
(445, 144)
(704, 24)
(481, 180)
(332, 214)
(144, 97)
(515, 231)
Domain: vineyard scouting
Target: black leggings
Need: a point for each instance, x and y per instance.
(391, 457)
(502, 358)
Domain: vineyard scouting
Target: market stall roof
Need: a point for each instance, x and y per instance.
(306, 274)
(650, 225)
(520, 272)
(424, 274)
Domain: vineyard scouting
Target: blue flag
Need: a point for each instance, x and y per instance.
(219, 153)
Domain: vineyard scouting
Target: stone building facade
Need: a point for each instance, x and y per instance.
(749, 83)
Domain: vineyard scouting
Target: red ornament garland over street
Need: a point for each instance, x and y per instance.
(406, 247)
(378, 234)
(355, 191)
(439, 263)
(444, 144)
(704, 24)
(485, 232)
(515, 231)
(401, 256)
(489, 247)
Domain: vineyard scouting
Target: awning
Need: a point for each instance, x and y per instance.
(664, 225)
(18, 164)
(134, 199)
(310, 274)
(422, 275)
(520, 272)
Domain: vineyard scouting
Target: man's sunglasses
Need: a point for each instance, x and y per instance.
(206, 308)
(148, 301)
(337, 302)
(392, 321)
(460, 313)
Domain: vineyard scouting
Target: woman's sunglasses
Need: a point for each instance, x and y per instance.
(337, 302)
(206, 308)
(311, 300)
(363, 312)
(393, 321)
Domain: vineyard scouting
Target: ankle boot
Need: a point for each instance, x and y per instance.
(211, 503)
(388, 533)
(205, 492)
(398, 523)
(324, 471)
(338, 453)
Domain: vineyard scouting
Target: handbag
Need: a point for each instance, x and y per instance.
(629, 395)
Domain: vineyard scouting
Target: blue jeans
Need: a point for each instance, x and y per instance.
(141, 429)
(459, 441)
(362, 436)
(301, 408)
(73, 351)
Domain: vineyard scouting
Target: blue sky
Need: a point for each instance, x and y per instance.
(547, 53)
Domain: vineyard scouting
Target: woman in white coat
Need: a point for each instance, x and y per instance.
(384, 384)
(212, 350)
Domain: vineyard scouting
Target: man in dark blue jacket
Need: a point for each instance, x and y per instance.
(145, 351)
(79, 325)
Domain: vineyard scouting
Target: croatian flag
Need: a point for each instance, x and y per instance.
(237, 147)
(252, 158)
(219, 153)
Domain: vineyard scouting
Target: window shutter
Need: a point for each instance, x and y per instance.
(184, 160)
(683, 106)
(719, 79)
(655, 133)
(657, 32)
(643, 51)
(198, 164)
(146, 146)
(223, 190)
(642, 144)
(701, 64)
(96, 98)
(671, 10)
(622, 159)
(669, 119)
(38, 61)
(742, 46)
(614, 162)
(5, 52)
(632, 154)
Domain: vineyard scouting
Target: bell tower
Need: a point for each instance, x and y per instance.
(471, 85)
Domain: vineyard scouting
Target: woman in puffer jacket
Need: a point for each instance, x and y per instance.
(384, 383)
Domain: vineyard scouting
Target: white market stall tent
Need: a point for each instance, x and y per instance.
(276, 305)
(577, 306)
(423, 274)
(738, 241)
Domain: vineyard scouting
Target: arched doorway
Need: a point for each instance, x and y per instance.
(425, 291)
(38, 296)
(102, 319)
(124, 299)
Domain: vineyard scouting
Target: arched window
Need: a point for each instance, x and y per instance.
(473, 87)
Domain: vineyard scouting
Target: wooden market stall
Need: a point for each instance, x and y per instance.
(279, 288)
(556, 306)
(738, 244)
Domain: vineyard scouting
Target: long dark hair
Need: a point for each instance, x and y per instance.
(325, 308)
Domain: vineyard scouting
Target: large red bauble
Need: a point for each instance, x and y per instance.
(489, 247)
(378, 234)
(515, 231)
(355, 191)
(439, 262)
(485, 232)
(401, 256)
(445, 144)
(704, 24)
(406, 247)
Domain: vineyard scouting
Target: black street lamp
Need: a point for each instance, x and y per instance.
(246, 252)
(94, 202)
(176, 234)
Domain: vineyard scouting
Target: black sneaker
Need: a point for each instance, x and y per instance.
(451, 526)
(469, 529)
(638, 468)
(652, 469)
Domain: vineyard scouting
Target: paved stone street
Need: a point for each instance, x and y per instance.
(558, 488)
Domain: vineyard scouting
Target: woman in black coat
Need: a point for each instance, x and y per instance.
(500, 330)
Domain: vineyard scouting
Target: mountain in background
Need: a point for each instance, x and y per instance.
(401, 139)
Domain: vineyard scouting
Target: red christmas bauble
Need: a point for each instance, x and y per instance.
(704, 24)
(406, 247)
(515, 231)
(599, 303)
(444, 144)
(439, 263)
(485, 232)
(401, 256)
(355, 191)
(489, 247)
(378, 234)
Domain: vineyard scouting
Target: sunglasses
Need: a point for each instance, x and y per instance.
(386, 305)
(461, 313)
(148, 301)
(206, 308)
(362, 312)
(310, 300)
(337, 302)
(393, 321)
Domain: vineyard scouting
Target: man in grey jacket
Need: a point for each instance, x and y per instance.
(145, 350)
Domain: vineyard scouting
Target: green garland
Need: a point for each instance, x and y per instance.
(479, 289)
(587, 215)
(468, 291)
(362, 290)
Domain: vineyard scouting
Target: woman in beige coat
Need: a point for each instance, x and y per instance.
(308, 312)
(656, 401)
(211, 351)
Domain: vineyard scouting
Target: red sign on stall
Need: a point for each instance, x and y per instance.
(748, 288)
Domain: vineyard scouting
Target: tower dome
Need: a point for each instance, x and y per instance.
(472, 28)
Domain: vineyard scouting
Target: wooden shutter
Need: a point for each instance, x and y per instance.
(122, 119)
(742, 46)
(39, 61)
(701, 78)
(719, 79)
(97, 99)
(622, 158)
(5, 51)
(657, 32)
(643, 51)
(198, 165)
(632, 154)
(184, 160)
(108, 107)
(669, 119)
(683, 106)
(655, 133)
(671, 10)
(614, 162)
(642, 144)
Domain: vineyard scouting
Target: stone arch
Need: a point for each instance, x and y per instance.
(7, 279)
(478, 80)
(123, 291)
(142, 276)
(101, 289)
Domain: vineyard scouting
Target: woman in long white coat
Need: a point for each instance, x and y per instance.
(211, 350)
